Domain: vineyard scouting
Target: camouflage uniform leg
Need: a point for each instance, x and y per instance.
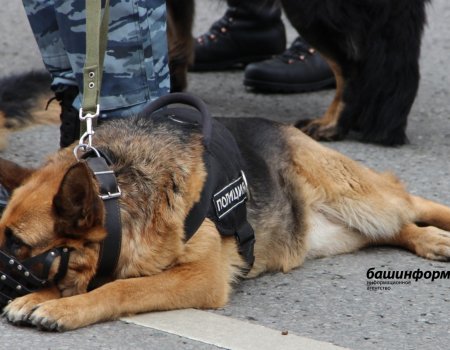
(136, 62)
(42, 18)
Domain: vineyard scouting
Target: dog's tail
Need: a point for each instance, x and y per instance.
(24, 101)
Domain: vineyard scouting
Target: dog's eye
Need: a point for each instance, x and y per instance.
(12, 241)
(9, 234)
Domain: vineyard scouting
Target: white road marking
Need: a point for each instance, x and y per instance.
(225, 332)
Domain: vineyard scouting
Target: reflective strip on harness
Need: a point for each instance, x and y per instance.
(230, 197)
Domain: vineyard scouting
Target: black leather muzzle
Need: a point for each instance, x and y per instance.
(18, 278)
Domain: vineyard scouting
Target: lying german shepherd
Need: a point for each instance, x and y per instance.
(305, 201)
(373, 48)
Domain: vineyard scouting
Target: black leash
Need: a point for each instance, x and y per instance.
(96, 40)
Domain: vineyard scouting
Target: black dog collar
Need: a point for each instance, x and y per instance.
(110, 194)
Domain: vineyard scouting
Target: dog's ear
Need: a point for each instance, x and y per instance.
(77, 206)
(12, 175)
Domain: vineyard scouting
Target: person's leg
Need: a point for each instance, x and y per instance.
(42, 18)
(136, 62)
(249, 31)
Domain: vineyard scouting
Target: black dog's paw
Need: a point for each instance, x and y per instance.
(319, 130)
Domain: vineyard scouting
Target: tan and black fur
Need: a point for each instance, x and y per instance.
(24, 101)
(306, 201)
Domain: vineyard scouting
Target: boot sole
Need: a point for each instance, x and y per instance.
(265, 86)
(227, 65)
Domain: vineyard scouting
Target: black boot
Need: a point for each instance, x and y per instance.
(300, 68)
(70, 121)
(249, 31)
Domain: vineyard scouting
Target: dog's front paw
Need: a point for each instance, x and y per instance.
(51, 316)
(63, 314)
(19, 310)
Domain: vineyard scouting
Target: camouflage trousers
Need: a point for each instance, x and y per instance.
(136, 62)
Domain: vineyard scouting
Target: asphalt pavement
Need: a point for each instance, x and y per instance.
(326, 299)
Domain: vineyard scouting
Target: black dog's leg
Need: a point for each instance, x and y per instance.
(377, 47)
(384, 82)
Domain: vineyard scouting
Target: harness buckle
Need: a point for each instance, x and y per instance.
(111, 195)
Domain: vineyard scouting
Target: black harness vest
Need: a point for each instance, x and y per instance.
(225, 190)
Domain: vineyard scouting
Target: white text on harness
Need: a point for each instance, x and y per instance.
(230, 197)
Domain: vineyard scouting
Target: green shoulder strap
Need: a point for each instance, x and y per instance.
(96, 40)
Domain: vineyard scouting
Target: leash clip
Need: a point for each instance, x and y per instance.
(89, 128)
(84, 148)
(85, 143)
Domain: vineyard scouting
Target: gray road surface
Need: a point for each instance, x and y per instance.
(326, 299)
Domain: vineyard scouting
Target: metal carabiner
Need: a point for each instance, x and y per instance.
(84, 148)
(89, 128)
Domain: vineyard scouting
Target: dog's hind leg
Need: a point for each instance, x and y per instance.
(352, 206)
(428, 242)
(430, 213)
(326, 128)
(427, 234)
(428, 237)
(328, 238)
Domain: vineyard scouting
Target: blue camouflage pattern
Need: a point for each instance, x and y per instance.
(136, 67)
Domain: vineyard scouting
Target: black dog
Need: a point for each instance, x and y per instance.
(24, 101)
(373, 47)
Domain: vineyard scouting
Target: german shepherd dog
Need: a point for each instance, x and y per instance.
(305, 201)
(373, 47)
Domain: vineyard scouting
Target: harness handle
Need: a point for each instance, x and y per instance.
(187, 99)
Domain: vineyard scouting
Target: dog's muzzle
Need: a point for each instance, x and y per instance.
(18, 278)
